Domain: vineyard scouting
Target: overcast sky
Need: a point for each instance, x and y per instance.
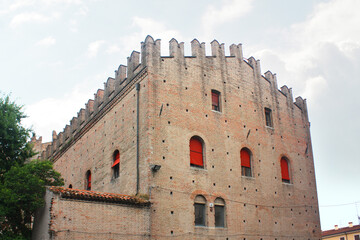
(54, 55)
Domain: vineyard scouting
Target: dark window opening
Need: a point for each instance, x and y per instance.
(88, 180)
(245, 156)
(199, 207)
(219, 212)
(356, 237)
(116, 164)
(70, 186)
(268, 117)
(215, 99)
(285, 170)
(342, 238)
(196, 152)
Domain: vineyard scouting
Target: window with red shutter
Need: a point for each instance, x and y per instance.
(245, 157)
(196, 152)
(285, 170)
(88, 180)
(116, 164)
(215, 99)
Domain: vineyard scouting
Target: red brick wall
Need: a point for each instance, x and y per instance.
(175, 104)
(77, 219)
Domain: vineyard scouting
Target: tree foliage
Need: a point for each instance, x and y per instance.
(14, 147)
(22, 186)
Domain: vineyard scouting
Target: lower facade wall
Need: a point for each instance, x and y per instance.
(77, 219)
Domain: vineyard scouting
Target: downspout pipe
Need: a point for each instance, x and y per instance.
(137, 87)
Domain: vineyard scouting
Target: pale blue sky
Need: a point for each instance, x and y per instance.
(55, 54)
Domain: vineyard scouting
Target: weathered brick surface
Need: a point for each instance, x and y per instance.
(175, 104)
(77, 219)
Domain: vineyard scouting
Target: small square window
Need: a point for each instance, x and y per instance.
(268, 117)
(215, 99)
(246, 171)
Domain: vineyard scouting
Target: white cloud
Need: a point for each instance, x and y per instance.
(227, 12)
(52, 113)
(148, 26)
(113, 49)
(93, 48)
(22, 18)
(48, 41)
(315, 85)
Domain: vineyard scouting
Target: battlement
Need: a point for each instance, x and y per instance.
(150, 58)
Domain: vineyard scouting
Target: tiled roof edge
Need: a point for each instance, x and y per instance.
(340, 230)
(78, 194)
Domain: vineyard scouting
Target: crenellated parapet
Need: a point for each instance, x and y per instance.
(150, 59)
(197, 49)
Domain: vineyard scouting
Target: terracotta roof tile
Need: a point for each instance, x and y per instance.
(340, 230)
(99, 196)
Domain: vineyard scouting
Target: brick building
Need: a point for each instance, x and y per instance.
(216, 147)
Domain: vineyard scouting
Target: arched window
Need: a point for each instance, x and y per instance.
(88, 180)
(116, 164)
(285, 170)
(245, 156)
(200, 210)
(70, 186)
(196, 152)
(219, 212)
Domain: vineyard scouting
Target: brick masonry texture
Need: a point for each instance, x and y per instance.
(175, 105)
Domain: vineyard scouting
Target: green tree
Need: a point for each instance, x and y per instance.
(22, 186)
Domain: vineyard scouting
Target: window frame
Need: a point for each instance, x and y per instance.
(115, 168)
(246, 169)
(88, 180)
(357, 237)
(193, 152)
(285, 173)
(219, 204)
(217, 94)
(200, 202)
(268, 117)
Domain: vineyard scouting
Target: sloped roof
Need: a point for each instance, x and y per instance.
(78, 194)
(340, 230)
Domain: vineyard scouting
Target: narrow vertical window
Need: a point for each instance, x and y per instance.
(215, 99)
(88, 180)
(245, 156)
(116, 164)
(199, 208)
(219, 212)
(268, 117)
(285, 170)
(196, 152)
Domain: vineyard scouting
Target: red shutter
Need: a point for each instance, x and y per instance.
(215, 98)
(284, 169)
(89, 180)
(116, 162)
(196, 152)
(117, 159)
(245, 158)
